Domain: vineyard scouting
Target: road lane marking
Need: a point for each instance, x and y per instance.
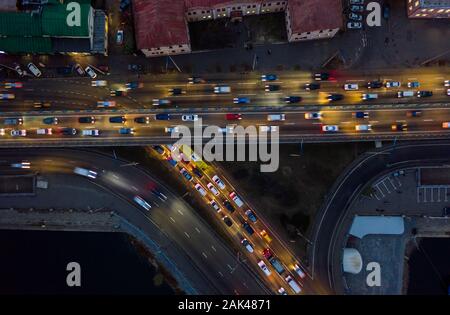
(134, 187)
(214, 249)
(221, 274)
(204, 255)
(171, 219)
(428, 120)
(198, 231)
(179, 211)
(187, 235)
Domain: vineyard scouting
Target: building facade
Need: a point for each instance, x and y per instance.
(426, 9)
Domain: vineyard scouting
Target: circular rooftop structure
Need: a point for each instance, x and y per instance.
(352, 261)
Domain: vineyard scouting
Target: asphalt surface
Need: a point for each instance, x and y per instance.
(212, 260)
(347, 187)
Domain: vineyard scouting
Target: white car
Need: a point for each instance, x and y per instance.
(218, 182)
(90, 72)
(236, 199)
(222, 89)
(44, 131)
(200, 189)
(23, 164)
(447, 83)
(171, 129)
(140, 201)
(350, 87)
(363, 127)
(448, 92)
(313, 115)
(282, 291)
(90, 132)
(276, 117)
(293, 284)
(330, 128)
(85, 172)
(264, 268)
(213, 189)
(18, 133)
(393, 84)
(99, 83)
(215, 205)
(299, 271)
(190, 117)
(268, 128)
(247, 245)
(2, 132)
(34, 70)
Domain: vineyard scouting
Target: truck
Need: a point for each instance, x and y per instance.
(273, 261)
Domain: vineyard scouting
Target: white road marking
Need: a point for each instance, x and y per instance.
(428, 120)
(204, 255)
(180, 212)
(172, 219)
(221, 274)
(244, 83)
(187, 235)
(134, 187)
(198, 231)
(214, 249)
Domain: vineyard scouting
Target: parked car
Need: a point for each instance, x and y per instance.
(330, 128)
(247, 245)
(311, 86)
(163, 116)
(313, 115)
(228, 206)
(335, 97)
(354, 25)
(50, 120)
(369, 96)
(233, 116)
(117, 119)
(359, 115)
(350, 86)
(218, 182)
(79, 69)
(424, 93)
(357, 8)
(414, 84)
(355, 17)
(251, 215)
(90, 72)
(227, 221)
(99, 83)
(186, 174)
(90, 132)
(18, 133)
(86, 120)
(119, 37)
(363, 127)
(142, 120)
(212, 189)
(241, 100)
(268, 77)
(292, 99)
(393, 84)
(272, 88)
(126, 131)
(34, 70)
(44, 131)
(67, 131)
(189, 117)
(264, 268)
(200, 189)
(374, 84)
(106, 103)
(222, 89)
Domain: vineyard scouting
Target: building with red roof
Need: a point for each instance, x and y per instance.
(161, 28)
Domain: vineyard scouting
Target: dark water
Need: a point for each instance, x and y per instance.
(429, 267)
(34, 262)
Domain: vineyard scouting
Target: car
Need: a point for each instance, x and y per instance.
(299, 271)
(218, 182)
(212, 189)
(413, 113)
(446, 125)
(265, 236)
(117, 119)
(354, 25)
(34, 70)
(233, 116)
(50, 120)
(355, 17)
(386, 11)
(264, 268)
(227, 129)
(18, 133)
(13, 85)
(356, 8)
(126, 131)
(374, 84)
(399, 127)
(322, 76)
(248, 246)
(90, 132)
(351, 86)
(251, 215)
(268, 77)
(268, 128)
(197, 172)
(23, 164)
(228, 206)
(186, 174)
(227, 221)
(117, 93)
(90, 72)
(144, 204)
(2, 131)
(272, 88)
(413, 84)
(41, 104)
(13, 121)
(424, 93)
(363, 127)
(7, 96)
(405, 94)
(134, 67)
(154, 190)
(158, 149)
(18, 69)
(119, 37)
(276, 117)
(311, 86)
(241, 100)
(248, 228)
(200, 189)
(195, 80)
(142, 120)
(236, 199)
(189, 117)
(292, 99)
(313, 115)
(171, 129)
(162, 116)
(222, 89)
(86, 120)
(360, 115)
(44, 131)
(356, 1)
(330, 128)
(157, 102)
(98, 83)
(106, 103)
(369, 96)
(67, 131)
(447, 83)
(176, 91)
(282, 291)
(293, 284)
(79, 69)
(134, 85)
(214, 204)
(393, 84)
(172, 161)
(335, 97)
(448, 92)
(85, 172)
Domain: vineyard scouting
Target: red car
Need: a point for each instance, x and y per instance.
(233, 116)
(267, 253)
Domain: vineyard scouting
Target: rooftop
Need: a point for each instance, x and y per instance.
(435, 3)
